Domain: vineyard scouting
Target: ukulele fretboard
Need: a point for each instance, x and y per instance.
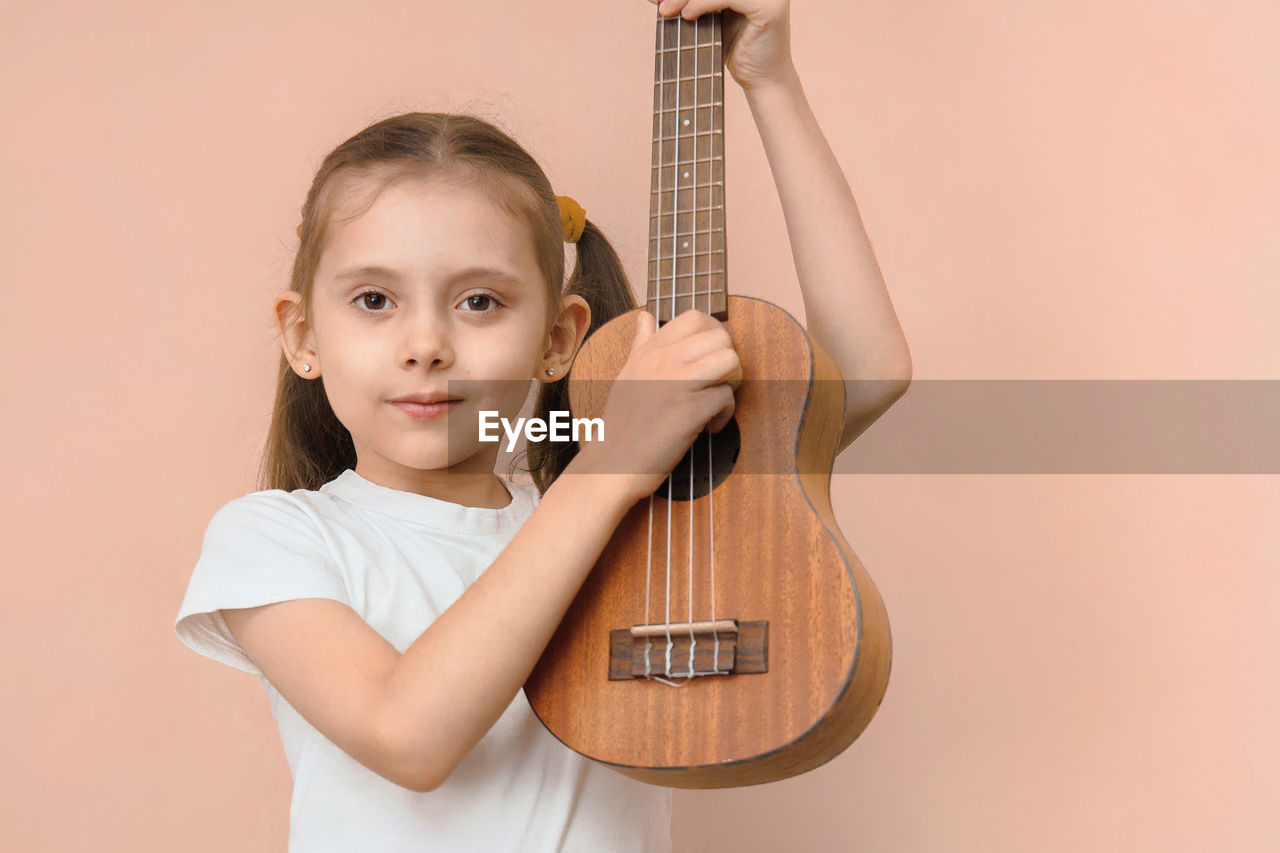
(686, 206)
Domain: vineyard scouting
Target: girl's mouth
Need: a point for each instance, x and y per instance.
(427, 410)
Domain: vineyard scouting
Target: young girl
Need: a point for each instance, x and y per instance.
(390, 590)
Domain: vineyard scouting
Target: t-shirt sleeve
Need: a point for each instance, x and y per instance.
(258, 549)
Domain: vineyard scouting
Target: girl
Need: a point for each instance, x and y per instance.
(390, 590)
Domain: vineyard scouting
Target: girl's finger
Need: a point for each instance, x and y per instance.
(720, 367)
(645, 324)
(699, 344)
(691, 9)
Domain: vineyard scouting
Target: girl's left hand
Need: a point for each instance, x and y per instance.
(756, 36)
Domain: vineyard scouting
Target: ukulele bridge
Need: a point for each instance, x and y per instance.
(720, 647)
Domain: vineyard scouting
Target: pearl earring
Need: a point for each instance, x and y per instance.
(551, 371)
(307, 368)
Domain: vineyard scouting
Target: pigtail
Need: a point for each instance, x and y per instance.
(599, 278)
(307, 445)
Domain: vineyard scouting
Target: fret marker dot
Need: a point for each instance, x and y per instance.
(685, 244)
(686, 122)
(686, 174)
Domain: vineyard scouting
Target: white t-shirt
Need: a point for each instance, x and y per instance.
(399, 559)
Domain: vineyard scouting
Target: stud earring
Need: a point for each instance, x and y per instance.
(551, 371)
(307, 368)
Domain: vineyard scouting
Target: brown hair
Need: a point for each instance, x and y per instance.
(307, 445)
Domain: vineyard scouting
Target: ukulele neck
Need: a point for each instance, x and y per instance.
(686, 205)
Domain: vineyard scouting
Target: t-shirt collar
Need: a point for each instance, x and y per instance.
(430, 512)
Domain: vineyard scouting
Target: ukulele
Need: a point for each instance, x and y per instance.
(727, 635)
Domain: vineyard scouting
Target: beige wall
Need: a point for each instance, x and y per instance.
(1066, 190)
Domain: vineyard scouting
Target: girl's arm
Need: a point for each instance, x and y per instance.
(847, 307)
(505, 621)
(413, 717)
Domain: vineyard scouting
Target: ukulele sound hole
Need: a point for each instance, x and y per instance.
(725, 445)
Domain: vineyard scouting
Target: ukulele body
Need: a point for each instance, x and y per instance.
(779, 559)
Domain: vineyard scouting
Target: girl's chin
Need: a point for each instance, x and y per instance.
(460, 459)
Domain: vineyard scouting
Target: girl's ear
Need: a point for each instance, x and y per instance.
(295, 334)
(567, 334)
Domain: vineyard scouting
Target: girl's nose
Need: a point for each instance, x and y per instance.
(427, 343)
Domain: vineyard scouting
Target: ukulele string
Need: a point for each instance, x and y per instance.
(693, 301)
(711, 231)
(693, 640)
(697, 55)
(648, 569)
(675, 205)
(675, 236)
(648, 563)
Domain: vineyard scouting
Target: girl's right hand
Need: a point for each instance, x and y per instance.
(681, 379)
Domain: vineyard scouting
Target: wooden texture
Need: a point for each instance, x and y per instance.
(779, 558)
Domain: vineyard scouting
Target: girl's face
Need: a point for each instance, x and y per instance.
(429, 290)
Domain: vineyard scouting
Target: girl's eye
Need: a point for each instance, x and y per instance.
(359, 297)
(486, 297)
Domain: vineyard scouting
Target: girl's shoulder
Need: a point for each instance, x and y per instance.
(259, 548)
(298, 508)
(267, 529)
(273, 510)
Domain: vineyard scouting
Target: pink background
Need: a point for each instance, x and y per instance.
(1067, 190)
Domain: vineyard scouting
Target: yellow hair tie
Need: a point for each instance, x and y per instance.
(572, 217)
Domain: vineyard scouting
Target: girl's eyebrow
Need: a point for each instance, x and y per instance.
(469, 272)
